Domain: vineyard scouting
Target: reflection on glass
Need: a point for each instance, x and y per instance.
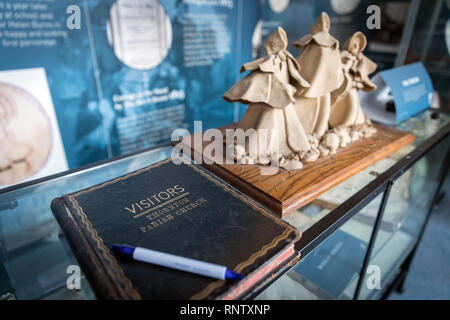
(423, 126)
(430, 45)
(34, 258)
(33, 254)
(407, 206)
(405, 213)
(332, 270)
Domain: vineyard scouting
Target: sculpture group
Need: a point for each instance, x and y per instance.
(303, 108)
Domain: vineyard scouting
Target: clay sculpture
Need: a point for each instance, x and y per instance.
(304, 108)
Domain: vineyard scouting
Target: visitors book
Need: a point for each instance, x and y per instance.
(178, 209)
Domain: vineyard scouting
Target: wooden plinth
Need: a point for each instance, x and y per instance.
(287, 191)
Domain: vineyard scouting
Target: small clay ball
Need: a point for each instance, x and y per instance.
(313, 141)
(324, 151)
(264, 160)
(355, 135)
(245, 160)
(311, 155)
(368, 131)
(239, 150)
(344, 138)
(293, 165)
(282, 162)
(330, 140)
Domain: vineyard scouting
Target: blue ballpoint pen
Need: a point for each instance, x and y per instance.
(177, 262)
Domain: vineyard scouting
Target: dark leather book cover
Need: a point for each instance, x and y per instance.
(178, 209)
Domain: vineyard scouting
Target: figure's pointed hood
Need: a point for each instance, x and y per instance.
(276, 42)
(275, 45)
(355, 45)
(319, 33)
(322, 24)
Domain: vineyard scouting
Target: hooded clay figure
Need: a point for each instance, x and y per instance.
(269, 90)
(320, 65)
(345, 108)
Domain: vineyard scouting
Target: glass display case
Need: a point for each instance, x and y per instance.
(375, 218)
(33, 252)
(380, 238)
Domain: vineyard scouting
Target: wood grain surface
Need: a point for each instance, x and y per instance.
(287, 191)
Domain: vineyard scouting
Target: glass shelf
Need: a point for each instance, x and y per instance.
(397, 243)
(404, 216)
(423, 126)
(34, 256)
(328, 271)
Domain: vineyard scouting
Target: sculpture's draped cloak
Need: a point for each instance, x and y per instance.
(346, 109)
(320, 64)
(320, 60)
(262, 85)
(269, 89)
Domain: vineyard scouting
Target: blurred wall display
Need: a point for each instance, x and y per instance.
(132, 72)
(30, 143)
(431, 45)
(346, 17)
(140, 33)
(123, 74)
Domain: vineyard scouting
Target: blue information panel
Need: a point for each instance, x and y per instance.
(411, 87)
(401, 93)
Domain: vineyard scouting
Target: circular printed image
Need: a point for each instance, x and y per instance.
(140, 33)
(344, 6)
(278, 6)
(25, 135)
